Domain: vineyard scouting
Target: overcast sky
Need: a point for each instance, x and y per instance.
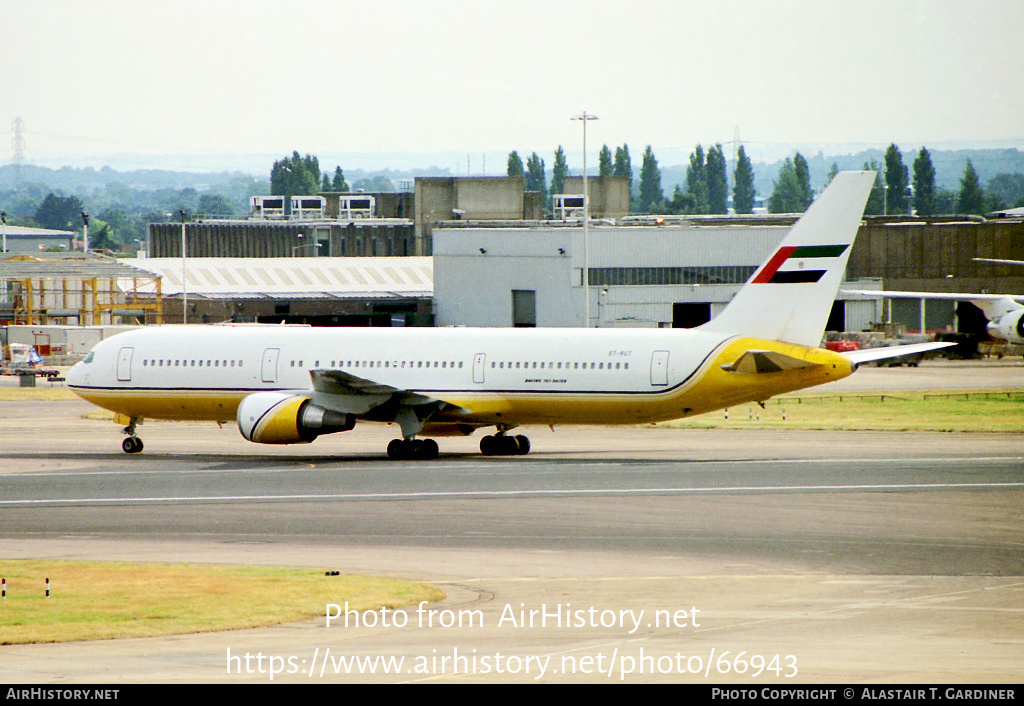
(256, 76)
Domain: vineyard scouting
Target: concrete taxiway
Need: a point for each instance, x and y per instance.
(607, 555)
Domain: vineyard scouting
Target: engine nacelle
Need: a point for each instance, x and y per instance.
(1009, 327)
(280, 418)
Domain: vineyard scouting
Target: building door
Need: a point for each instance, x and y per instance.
(690, 314)
(659, 368)
(124, 364)
(478, 367)
(524, 308)
(270, 364)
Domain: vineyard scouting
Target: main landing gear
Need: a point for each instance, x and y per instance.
(412, 449)
(132, 444)
(502, 444)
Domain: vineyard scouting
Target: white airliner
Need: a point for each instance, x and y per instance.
(1004, 313)
(288, 385)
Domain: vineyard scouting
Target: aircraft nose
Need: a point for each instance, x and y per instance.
(76, 375)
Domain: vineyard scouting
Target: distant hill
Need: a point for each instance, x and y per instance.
(204, 178)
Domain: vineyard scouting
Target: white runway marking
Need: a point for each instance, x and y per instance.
(450, 495)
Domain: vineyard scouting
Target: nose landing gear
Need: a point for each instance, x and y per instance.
(132, 444)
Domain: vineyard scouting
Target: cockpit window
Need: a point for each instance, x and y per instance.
(88, 358)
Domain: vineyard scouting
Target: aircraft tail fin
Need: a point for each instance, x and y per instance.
(790, 295)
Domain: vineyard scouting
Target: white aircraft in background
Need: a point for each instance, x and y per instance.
(1004, 312)
(288, 385)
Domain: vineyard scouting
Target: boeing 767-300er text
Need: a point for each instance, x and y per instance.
(288, 385)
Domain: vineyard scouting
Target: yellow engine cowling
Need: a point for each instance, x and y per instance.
(280, 418)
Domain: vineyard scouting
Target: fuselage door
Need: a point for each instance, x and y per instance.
(478, 367)
(124, 364)
(270, 364)
(659, 368)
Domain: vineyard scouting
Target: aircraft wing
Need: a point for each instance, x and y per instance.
(345, 393)
(992, 305)
(997, 262)
(867, 355)
(959, 296)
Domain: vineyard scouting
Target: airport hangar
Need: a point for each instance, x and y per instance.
(496, 263)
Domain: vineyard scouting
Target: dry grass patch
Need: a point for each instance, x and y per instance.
(948, 411)
(103, 600)
(43, 392)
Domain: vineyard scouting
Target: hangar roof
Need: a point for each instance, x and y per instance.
(65, 265)
(295, 277)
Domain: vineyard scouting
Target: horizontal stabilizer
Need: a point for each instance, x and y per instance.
(765, 362)
(884, 352)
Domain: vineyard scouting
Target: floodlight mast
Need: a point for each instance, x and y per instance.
(586, 223)
(184, 285)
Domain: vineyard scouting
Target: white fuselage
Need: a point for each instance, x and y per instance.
(510, 376)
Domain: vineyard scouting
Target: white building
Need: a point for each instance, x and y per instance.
(679, 274)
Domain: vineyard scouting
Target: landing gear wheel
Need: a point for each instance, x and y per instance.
(522, 445)
(132, 445)
(412, 449)
(426, 449)
(502, 445)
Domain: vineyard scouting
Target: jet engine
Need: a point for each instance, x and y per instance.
(1009, 327)
(280, 418)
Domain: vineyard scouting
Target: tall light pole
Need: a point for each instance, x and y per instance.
(184, 284)
(3, 283)
(586, 223)
(85, 231)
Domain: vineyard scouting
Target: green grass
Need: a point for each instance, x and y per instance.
(916, 410)
(104, 600)
(43, 392)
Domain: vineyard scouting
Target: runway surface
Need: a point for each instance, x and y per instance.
(835, 557)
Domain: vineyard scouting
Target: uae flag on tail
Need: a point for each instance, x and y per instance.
(798, 264)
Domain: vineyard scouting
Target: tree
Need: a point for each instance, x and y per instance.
(682, 202)
(924, 184)
(971, 199)
(623, 164)
(718, 183)
(1008, 187)
(559, 171)
(339, 183)
(295, 176)
(743, 192)
(605, 167)
(787, 196)
(832, 172)
(215, 205)
(897, 197)
(536, 180)
(624, 167)
(60, 213)
(876, 197)
(325, 184)
(375, 185)
(697, 181)
(515, 165)
(651, 196)
(803, 180)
